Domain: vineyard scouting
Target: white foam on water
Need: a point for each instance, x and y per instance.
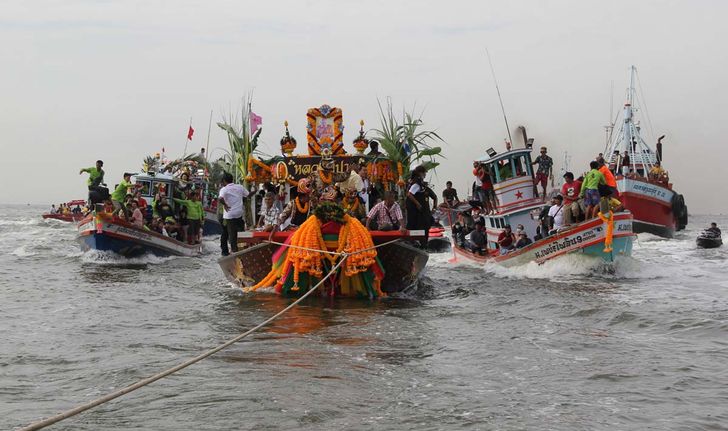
(22, 251)
(99, 257)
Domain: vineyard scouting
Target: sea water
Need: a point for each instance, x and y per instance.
(568, 345)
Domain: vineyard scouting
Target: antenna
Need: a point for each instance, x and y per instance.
(508, 129)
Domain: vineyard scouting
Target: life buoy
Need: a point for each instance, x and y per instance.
(436, 232)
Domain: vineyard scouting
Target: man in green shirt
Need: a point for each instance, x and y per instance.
(195, 216)
(95, 175)
(117, 197)
(590, 189)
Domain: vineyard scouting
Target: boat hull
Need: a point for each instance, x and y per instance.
(212, 225)
(64, 217)
(651, 205)
(108, 234)
(403, 263)
(585, 238)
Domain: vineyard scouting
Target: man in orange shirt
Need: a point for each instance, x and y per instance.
(608, 177)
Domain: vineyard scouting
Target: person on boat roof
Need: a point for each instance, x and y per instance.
(95, 175)
(590, 189)
(450, 195)
(299, 208)
(373, 148)
(544, 171)
(656, 172)
(386, 215)
(269, 214)
(117, 197)
(506, 240)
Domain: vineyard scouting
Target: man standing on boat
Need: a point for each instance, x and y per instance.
(95, 175)
(117, 198)
(231, 197)
(545, 170)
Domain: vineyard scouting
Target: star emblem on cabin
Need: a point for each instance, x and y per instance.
(519, 195)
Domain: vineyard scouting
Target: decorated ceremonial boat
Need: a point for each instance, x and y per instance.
(643, 184)
(327, 228)
(607, 237)
(71, 217)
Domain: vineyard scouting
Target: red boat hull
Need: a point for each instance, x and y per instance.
(652, 206)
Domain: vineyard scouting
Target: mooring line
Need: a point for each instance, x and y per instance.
(79, 409)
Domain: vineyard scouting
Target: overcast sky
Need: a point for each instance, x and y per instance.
(83, 80)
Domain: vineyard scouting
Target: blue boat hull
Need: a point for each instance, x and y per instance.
(122, 247)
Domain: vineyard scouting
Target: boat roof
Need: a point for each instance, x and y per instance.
(501, 156)
(158, 177)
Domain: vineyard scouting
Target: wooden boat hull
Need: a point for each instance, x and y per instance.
(585, 238)
(110, 234)
(402, 262)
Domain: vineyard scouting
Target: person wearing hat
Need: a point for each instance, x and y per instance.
(478, 240)
(523, 239)
(122, 189)
(171, 228)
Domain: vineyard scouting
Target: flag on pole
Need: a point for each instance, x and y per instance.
(190, 133)
(255, 122)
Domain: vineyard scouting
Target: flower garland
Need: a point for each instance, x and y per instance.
(324, 178)
(304, 209)
(400, 181)
(349, 206)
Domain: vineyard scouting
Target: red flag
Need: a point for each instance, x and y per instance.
(190, 133)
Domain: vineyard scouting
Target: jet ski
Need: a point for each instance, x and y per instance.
(709, 239)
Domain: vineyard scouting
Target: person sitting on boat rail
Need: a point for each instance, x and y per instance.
(608, 177)
(590, 189)
(269, 214)
(386, 215)
(570, 192)
(506, 240)
(544, 171)
(556, 214)
(450, 195)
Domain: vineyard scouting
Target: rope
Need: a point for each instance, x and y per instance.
(79, 409)
(332, 252)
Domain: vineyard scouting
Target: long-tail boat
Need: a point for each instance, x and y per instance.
(378, 263)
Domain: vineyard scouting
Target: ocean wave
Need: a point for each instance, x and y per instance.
(99, 257)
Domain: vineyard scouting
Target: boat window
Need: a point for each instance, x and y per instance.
(505, 170)
(161, 187)
(521, 166)
(144, 187)
(492, 223)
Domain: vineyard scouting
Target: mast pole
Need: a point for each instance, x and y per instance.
(508, 129)
(207, 145)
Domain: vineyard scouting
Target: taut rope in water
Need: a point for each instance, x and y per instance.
(79, 409)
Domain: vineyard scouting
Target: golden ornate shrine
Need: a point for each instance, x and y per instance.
(325, 126)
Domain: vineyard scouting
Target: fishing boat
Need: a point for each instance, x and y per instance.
(607, 237)
(70, 217)
(644, 186)
(709, 238)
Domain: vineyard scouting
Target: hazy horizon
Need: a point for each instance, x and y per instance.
(87, 80)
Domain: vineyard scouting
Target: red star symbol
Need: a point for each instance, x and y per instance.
(519, 195)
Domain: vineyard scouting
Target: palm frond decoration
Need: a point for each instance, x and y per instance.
(242, 144)
(406, 143)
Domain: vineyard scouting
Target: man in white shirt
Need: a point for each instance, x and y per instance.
(556, 213)
(231, 198)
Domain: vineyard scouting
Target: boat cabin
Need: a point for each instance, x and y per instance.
(512, 176)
